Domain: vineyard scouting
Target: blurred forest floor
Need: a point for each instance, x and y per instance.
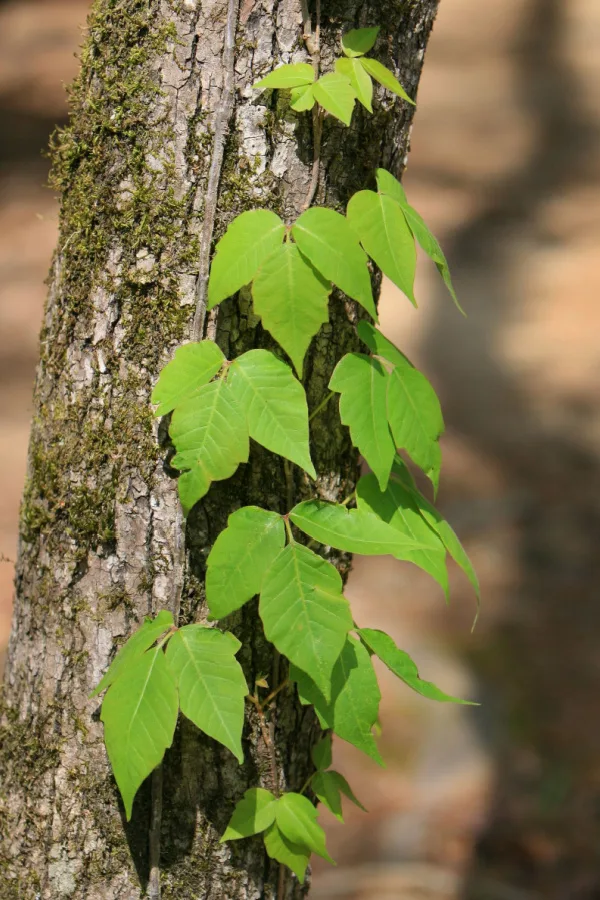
(499, 802)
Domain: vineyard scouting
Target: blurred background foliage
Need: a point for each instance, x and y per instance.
(500, 802)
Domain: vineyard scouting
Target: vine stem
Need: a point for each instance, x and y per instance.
(321, 406)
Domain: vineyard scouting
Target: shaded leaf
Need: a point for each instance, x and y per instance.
(359, 41)
(240, 557)
(304, 612)
(291, 855)
(254, 813)
(386, 78)
(291, 297)
(211, 683)
(139, 714)
(358, 78)
(192, 366)
(296, 818)
(274, 403)
(322, 754)
(335, 94)
(328, 787)
(290, 75)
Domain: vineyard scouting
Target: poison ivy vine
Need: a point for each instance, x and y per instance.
(217, 405)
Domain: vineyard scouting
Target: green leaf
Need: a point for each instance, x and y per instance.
(416, 419)
(379, 345)
(291, 297)
(359, 41)
(384, 233)
(396, 507)
(296, 818)
(254, 813)
(328, 787)
(321, 753)
(329, 242)
(211, 683)
(387, 184)
(211, 438)
(192, 366)
(288, 76)
(303, 98)
(386, 78)
(140, 641)
(362, 383)
(354, 530)
(402, 665)
(240, 557)
(335, 94)
(304, 612)
(291, 855)
(275, 405)
(355, 697)
(250, 239)
(358, 78)
(139, 714)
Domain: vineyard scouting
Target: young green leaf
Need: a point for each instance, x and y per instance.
(329, 787)
(321, 753)
(254, 813)
(362, 382)
(359, 41)
(387, 184)
(403, 666)
(192, 367)
(288, 76)
(140, 641)
(283, 851)
(302, 98)
(415, 418)
(379, 345)
(354, 530)
(139, 714)
(211, 683)
(396, 507)
(304, 612)
(240, 557)
(291, 297)
(330, 243)
(296, 818)
(355, 697)
(386, 78)
(335, 94)
(358, 78)
(384, 233)
(210, 435)
(250, 239)
(275, 405)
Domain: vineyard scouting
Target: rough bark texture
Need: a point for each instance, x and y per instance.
(99, 537)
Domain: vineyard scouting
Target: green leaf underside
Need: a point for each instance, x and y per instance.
(192, 367)
(329, 242)
(329, 787)
(321, 753)
(291, 297)
(304, 612)
(139, 714)
(211, 683)
(302, 98)
(240, 557)
(254, 813)
(396, 507)
(387, 184)
(403, 666)
(290, 75)
(386, 78)
(362, 384)
(359, 41)
(283, 851)
(210, 435)
(274, 403)
(354, 530)
(355, 697)
(436, 521)
(250, 239)
(296, 818)
(336, 95)
(416, 419)
(358, 78)
(140, 641)
(384, 233)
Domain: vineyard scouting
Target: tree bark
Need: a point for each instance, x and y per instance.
(100, 543)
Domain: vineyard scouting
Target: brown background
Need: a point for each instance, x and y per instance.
(500, 802)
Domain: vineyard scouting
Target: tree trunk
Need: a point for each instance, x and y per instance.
(100, 526)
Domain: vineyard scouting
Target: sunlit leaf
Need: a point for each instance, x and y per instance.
(296, 818)
(386, 78)
(254, 813)
(192, 366)
(335, 94)
(359, 41)
(358, 78)
(302, 98)
(290, 75)
(282, 850)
